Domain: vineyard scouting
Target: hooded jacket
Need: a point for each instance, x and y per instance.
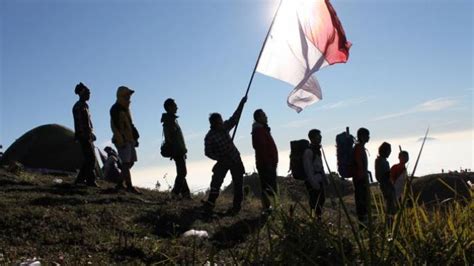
(121, 122)
(173, 134)
(266, 153)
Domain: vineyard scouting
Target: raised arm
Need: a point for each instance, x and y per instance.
(234, 119)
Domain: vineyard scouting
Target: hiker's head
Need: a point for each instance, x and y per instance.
(403, 157)
(83, 92)
(215, 119)
(363, 135)
(314, 136)
(260, 117)
(123, 95)
(385, 149)
(170, 106)
(108, 150)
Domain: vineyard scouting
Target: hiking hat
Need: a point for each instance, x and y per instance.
(124, 91)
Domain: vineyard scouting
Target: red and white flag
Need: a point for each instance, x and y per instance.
(306, 36)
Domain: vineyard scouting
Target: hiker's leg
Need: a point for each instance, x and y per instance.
(312, 195)
(89, 162)
(361, 200)
(82, 175)
(272, 181)
(184, 185)
(263, 175)
(128, 156)
(180, 185)
(126, 176)
(219, 171)
(268, 184)
(237, 170)
(320, 199)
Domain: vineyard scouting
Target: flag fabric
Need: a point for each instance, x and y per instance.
(306, 36)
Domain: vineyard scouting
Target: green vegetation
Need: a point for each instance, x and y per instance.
(59, 222)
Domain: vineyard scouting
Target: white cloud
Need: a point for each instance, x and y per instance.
(297, 123)
(436, 105)
(428, 106)
(345, 103)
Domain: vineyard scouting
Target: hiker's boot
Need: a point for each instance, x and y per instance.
(233, 211)
(92, 184)
(207, 206)
(134, 190)
(120, 186)
(174, 196)
(187, 197)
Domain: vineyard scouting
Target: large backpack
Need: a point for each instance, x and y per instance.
(345, 154)
(297, 149)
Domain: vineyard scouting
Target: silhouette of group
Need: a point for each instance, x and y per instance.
(220, 147)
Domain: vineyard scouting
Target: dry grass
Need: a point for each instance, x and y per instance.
(77, 225)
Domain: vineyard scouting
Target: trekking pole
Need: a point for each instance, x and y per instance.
(330, 174)
(256, 64)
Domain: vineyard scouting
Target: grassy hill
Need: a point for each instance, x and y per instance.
(57, 222)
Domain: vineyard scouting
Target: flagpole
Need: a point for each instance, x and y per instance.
(258, 60)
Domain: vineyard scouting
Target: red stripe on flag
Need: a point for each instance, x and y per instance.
(324, 29)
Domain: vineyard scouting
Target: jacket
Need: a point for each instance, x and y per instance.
(122, 126)
(218, 144)
(360, 164)
(266, 153)
(313, 165)
(82, 121)
(173, 134)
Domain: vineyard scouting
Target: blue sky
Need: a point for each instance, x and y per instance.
(410, 66)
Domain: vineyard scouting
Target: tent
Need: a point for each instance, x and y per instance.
(46, 147)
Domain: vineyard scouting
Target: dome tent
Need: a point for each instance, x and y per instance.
(49, 146)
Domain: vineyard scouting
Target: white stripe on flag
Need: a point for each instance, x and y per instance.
(292, 53)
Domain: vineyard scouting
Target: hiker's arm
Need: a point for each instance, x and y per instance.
(258, 141)
(232, 121)
(308, 163)
(361, 172)
(86, 124)
(169, 132)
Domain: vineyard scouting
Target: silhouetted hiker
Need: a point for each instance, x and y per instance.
(174, 138)
(316, 180)
(266, 157)
(111, 165)
(84, 134)
(361, 175)
(220, 147)
(125, 136)
(382, 174)
(398, 174)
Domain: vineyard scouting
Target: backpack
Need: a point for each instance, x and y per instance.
(345, 154)
(297, 149)
(166, 149)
